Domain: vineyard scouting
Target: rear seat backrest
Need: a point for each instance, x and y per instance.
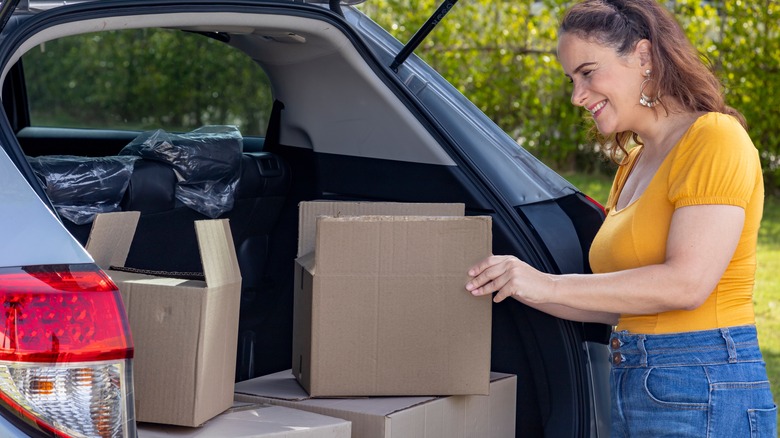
(165, 238)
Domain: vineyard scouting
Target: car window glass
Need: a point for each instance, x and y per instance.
(145, 79)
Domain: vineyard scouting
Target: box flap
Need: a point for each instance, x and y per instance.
(306, 261)
(256, 421)
(310, 210)
(110, 238)
(404, 246)
(217, 252)
(283, 386)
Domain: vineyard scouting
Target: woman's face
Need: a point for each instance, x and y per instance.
(605, 83)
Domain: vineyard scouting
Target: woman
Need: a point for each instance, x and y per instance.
(674, 261)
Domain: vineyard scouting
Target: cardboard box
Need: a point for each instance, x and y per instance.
(185, 331)
(460, 416)
(308, 212)
(380, 301)
(256, 421)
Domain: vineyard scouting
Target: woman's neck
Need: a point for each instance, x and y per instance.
(664, 133)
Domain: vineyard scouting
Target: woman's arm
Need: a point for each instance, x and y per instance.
(701, 242)
(572, 314)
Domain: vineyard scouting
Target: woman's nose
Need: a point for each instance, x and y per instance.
(578, 96)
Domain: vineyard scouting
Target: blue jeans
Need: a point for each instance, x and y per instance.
(710, 383)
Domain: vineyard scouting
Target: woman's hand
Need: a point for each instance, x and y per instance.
(510, 277)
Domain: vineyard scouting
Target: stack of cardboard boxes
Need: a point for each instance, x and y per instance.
(386, 341)
(382, 314)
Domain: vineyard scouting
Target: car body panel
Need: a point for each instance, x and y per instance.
(39, 238)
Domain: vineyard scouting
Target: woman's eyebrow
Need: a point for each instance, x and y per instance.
(580, 67)
(583, 65)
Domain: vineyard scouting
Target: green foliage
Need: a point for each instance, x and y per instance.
(145, 79)
(502, 56)
(749, 59)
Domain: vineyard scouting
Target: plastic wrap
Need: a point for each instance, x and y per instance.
(206, 161)
(81, 187)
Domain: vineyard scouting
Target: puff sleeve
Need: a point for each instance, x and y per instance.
(717, 164)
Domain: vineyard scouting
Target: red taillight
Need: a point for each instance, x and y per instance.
(596, 203)
(65, 351)
(61, 314)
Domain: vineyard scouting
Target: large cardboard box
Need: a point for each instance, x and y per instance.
(461, 416)
(380, 301)
(252, 420)
(185, 331)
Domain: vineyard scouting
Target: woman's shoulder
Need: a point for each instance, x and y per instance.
(717, 131)
(714, 123)
(714, 141)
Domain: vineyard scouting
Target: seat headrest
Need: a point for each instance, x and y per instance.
(207, 162)
(81, 187)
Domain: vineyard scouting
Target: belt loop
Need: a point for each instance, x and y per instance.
(640, 344)
(729, 344)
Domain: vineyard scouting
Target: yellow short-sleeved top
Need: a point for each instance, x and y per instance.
(715, 162)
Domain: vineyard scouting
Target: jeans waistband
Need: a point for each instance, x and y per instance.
(717, 346)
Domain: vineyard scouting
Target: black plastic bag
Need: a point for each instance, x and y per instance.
(206, 161)
(82, 187)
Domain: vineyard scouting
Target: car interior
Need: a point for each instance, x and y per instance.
(335, 131)
(319, 143)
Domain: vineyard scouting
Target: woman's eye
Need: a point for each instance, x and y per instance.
(587, 72)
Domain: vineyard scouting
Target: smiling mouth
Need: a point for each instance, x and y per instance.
(595, 108)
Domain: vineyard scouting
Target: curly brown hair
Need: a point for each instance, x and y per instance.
(679, 70)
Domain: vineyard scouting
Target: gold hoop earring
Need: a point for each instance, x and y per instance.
(644, 100)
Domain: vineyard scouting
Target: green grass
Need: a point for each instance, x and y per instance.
(766, 295)
(594, 185)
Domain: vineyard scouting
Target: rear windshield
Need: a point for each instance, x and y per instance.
(145, 78)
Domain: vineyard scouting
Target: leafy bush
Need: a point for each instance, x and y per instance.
(502, 56)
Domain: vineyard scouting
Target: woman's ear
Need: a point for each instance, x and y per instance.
(642, 50)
